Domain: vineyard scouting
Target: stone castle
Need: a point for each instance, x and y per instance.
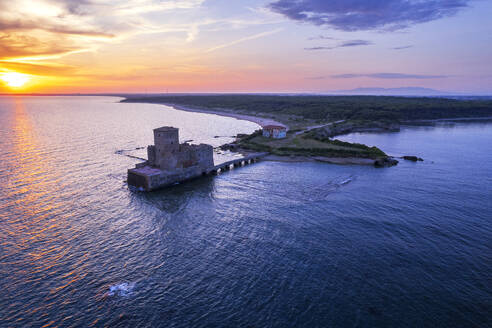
(170, 162)
(168, 155)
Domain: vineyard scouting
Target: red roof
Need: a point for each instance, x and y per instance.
(274, 127)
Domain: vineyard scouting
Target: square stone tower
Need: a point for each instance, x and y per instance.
(166, 145)
(166, 139)
(170, 156)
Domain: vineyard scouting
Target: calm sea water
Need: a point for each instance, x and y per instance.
(267, 245)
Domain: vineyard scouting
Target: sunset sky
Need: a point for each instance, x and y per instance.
(244, 46)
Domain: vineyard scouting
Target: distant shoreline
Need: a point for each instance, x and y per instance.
(438, 120)
(298, 156)
(261, 121)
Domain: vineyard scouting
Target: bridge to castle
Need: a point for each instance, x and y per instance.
(253, 158)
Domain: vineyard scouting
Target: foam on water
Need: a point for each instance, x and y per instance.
(345, 181)
(124, 289)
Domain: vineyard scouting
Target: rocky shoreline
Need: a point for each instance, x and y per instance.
(381, 162)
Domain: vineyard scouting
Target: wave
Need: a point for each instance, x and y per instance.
(345, 181)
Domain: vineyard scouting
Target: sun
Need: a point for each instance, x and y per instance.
(14, 79)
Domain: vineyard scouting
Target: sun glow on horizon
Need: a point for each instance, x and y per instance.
(14, 79)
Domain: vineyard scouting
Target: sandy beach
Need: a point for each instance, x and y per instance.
(261, 121)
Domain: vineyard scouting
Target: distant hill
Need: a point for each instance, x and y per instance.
(408, 91)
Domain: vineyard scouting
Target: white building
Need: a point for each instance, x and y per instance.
(274, 131)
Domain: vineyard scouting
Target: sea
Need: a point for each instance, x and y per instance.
(273, 244)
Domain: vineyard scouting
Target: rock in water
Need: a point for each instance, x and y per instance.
(385, 162)
(229, 146)
(413, 158)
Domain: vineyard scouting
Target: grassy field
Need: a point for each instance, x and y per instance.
(305, 146)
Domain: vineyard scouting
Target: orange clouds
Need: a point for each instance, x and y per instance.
(22, 44)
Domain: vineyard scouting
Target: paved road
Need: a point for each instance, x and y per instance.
(309, 128)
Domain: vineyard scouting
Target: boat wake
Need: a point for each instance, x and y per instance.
(321, 192)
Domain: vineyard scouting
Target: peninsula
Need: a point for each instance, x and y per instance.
(313, 122)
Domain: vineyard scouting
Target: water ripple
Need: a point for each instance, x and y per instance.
(266, 245)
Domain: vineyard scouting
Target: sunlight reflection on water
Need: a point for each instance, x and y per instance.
(270, 245)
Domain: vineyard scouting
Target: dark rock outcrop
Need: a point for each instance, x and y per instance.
(385, 162)
(230, 146)
(413, 158)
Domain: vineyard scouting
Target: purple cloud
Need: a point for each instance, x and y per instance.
(389, 76)
(355, 43)
(354, 15)
(402, 47)
(322, 37)
(319, 48)
(345, 44)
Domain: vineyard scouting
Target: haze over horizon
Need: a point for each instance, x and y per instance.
(94, 46)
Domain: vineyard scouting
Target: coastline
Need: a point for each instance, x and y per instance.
(261, 121)
(329, 160)
(432, 122)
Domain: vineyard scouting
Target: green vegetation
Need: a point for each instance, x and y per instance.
(332, 108)
(305, 145)
(313, 113)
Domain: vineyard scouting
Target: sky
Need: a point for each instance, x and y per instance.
(95, 46)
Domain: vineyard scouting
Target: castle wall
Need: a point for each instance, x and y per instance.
(205, 156)
(151, 155)
(151, 178)
(186, 156)
(164, 179)
(168, 161)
